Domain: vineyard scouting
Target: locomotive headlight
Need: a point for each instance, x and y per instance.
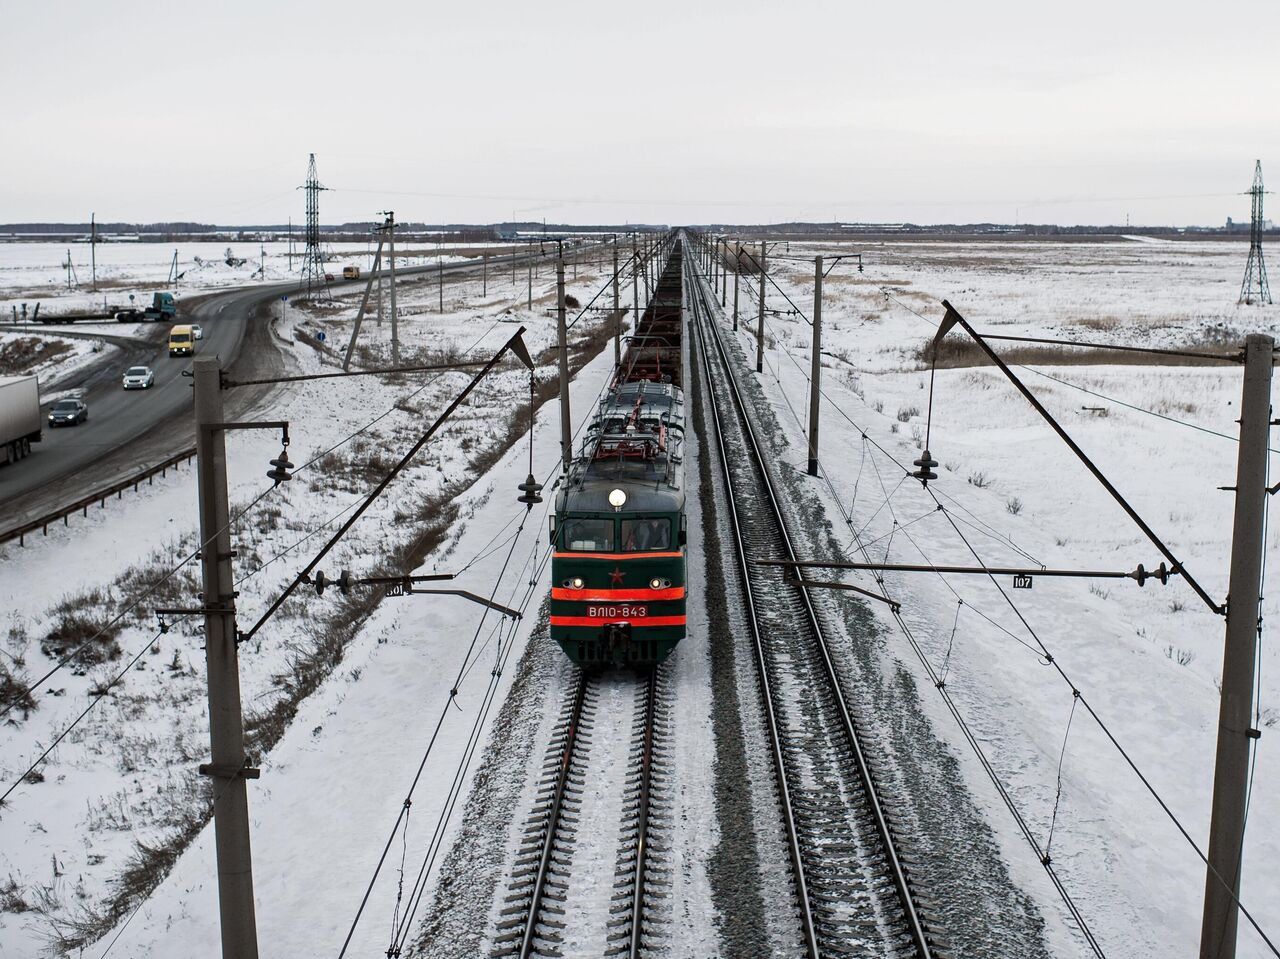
(617, 498)
(656, 583)
(574, 583)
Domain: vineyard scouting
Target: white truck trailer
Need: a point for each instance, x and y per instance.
(19, 416)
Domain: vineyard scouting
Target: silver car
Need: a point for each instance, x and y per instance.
(139, 378)
(197, 331)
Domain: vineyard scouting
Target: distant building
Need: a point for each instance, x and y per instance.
(1233, 227)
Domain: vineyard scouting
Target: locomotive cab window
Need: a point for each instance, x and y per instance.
(646, 534)
(588, 535)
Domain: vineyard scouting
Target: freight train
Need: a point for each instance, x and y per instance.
(619, 534)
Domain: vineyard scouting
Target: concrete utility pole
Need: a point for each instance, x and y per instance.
(815, 377)
(395, 319)
(760, 327)
(484, 289)
(566, 430)
(722, 248)
(440, 265)
(635, 284)
(617, 311)
(226, 728)
(1235, 727)
(364, 302)
(737, 273)
(93, 248)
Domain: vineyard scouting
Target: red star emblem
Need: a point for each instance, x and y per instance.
(616, 576)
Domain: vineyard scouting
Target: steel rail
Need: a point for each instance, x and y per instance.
(568, 751)
(553, 817)
(642, 832)
(807, 924)
(916, 929)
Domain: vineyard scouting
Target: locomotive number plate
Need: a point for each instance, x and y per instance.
(620, 611)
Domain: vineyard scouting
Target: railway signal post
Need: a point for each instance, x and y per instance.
(815, 377)
(229, 766)
(760, 326)
(1235, 726)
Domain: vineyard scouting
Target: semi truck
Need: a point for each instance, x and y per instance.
(162, 308)
(20, 423)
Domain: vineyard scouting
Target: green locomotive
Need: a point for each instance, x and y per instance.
(618, 566)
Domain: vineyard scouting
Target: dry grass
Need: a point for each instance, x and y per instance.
(14, 694)
(27, 352)
(85, 632)
(957, 351)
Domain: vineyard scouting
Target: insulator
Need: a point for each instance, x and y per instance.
(529, 491)
(320, 582)
(344, 582)
(926, 463)
(280, 468)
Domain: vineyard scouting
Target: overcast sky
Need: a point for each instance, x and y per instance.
(662, 112)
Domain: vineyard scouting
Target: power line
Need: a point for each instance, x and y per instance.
(68, 657)
(98, 696)
(1052, 661)
(1139, 409)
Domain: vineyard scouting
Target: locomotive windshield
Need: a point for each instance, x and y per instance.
(592, 535)
(646, 535)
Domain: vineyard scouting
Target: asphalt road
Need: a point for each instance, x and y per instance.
(72, 462)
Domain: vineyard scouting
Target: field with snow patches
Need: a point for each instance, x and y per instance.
(102, 820)
(1147, 660)
(344, 699)
(33, 273)
(52, 358)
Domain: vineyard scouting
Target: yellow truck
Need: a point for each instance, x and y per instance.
(182, 341)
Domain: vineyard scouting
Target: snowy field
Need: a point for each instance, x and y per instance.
(33, 273)
(1147, 660)
(122, 787)
(344, 697)
(51, 358)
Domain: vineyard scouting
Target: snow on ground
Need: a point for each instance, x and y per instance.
(51, 358)
(335, 780)
(1147, 660)
(127, 774)
(35, 272)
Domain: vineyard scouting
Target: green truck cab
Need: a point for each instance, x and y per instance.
(162, 308)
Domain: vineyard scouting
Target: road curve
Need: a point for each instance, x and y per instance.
(128, 431)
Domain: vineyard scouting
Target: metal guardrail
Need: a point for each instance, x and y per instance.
(101, 496)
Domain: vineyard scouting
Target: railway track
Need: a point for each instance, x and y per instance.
(853, 888)
(595, 777)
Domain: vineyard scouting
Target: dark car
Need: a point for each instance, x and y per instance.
(68, 413)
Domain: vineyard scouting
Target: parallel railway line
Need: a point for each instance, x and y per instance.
(853, 888)
(538, 910)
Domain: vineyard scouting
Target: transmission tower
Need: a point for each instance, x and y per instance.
(1254, 288)
(313, 258)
